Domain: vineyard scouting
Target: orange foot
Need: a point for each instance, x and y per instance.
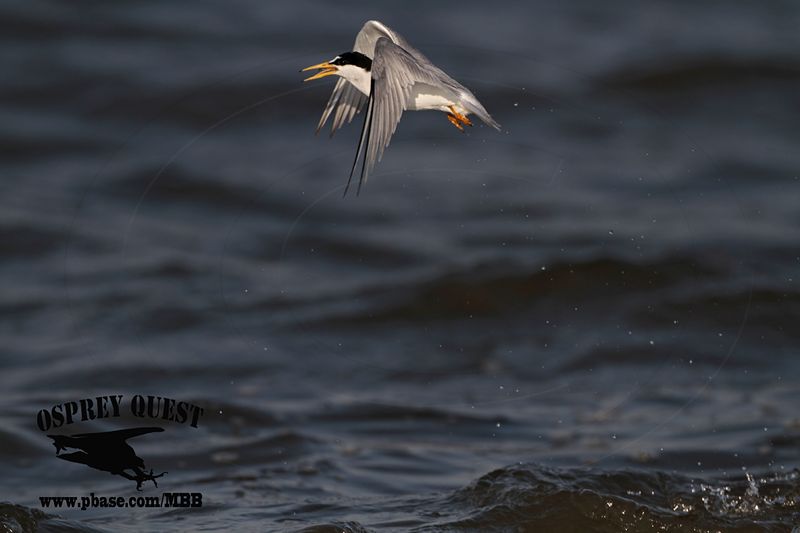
(455, 122)
(457, 119)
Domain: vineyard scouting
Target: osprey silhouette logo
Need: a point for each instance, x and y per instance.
(108, 451)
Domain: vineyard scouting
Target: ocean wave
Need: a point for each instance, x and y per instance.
(500, 290)
(534, 498)
(696, 73)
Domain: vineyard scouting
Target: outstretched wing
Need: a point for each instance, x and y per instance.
(346, 100)
(394, 72)
(372, 31)
(366, 43)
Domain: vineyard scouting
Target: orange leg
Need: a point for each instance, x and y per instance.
(461, 118)
(455, 122)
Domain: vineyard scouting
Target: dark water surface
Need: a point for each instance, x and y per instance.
(586, 322)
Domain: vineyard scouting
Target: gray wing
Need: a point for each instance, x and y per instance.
(372, 31)
(366, 42)
(346, 100)
(394, 73)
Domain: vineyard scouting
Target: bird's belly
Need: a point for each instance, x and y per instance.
(428, 97)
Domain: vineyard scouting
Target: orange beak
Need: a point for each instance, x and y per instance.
(327, 70)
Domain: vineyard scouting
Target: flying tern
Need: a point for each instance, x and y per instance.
(390, 76)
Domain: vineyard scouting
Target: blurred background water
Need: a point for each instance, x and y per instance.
(585, 322)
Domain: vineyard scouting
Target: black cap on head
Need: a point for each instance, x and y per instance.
(353, 58)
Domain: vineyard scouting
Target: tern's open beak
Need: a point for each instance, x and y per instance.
(328, 69)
